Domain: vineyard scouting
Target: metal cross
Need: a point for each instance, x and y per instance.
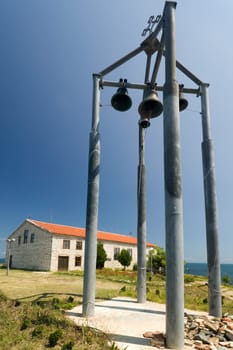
(151, 23)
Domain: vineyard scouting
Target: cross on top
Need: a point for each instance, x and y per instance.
(151, 23)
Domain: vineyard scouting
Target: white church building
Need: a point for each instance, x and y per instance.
(43, 246)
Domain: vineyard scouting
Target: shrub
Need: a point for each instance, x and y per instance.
(68, 346)
(124, 258)
(101, 256)
(54, 337)
(226, 279)
(70, 299)
(189, 278)
(25, 324)
(2, 297)
(37, 332)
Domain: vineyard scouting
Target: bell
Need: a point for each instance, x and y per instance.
(183, 103)
(151, 106)
(121, 100)
(145, 123)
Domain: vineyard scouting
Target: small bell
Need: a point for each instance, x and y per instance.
(183, 103)
(145, 123)
(121, 100)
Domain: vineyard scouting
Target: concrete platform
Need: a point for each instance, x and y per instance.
(126, 320)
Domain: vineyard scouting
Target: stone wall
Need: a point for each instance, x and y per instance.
(30, 255)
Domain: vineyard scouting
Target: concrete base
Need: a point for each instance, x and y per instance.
(126, 320)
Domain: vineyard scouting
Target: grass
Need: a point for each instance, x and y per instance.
(28, 285)
(21, 284)
(29, 326)
(32, 315)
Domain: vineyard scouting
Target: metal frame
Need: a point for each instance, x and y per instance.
(172, 180)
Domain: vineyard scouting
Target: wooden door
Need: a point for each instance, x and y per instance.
(63, 263)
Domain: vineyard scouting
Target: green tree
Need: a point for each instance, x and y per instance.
(101, 256)
(157, 260)
(124, 258)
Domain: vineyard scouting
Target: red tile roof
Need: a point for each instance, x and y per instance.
(80, 232)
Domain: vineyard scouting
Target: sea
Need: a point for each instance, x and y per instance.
(201, 269)
(197, 269)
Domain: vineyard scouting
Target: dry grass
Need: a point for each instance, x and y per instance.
(21, 284)
(31, 285)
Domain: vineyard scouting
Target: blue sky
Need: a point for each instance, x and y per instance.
(49, 50)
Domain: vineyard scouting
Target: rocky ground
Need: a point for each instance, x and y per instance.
(201, 333)
(209, 333)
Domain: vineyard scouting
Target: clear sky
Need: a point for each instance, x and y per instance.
(49, 50)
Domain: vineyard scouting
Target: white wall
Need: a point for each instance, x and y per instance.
(57, 250)
(43, 253)
(109, 248)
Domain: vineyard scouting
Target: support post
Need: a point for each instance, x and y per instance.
(173, 191)
(214, 272)
(8, 258)
(92, 207)
(141, 225)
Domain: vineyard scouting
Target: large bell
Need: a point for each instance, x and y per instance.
(151, 106)
(183, 103)
(121, 100)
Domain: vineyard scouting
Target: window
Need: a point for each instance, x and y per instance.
(19, 240)
(25, 236)
(32, 239)
(130, 250)
(78, 261)
(116, 253)
(66, 244)
(79, 245)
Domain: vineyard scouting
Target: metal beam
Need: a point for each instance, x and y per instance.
(138, 86)
(188, 73)
(158, 61)
(121, 61)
